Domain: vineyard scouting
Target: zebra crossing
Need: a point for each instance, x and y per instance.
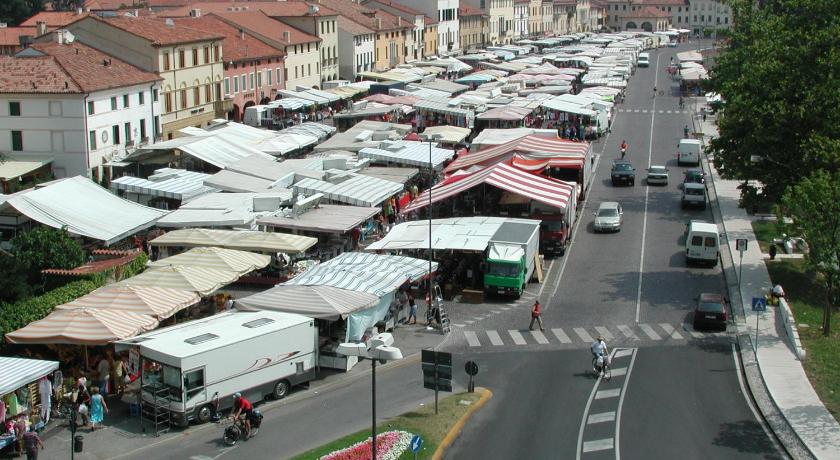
(675, 111)
(625, 334)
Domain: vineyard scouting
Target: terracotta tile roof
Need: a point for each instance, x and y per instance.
(157, 31)
(366, 16)
(10, 36)
(569, 2)
(235, 47)
(53, 18)
(272, 8)
(464, 10)
(521, 1)
(651, 2)
(259, 23)
(68, 69)
(117, 259)
(295, 9)
(352, 27)
(648, 12)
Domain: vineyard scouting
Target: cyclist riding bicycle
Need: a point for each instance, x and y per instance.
(654, 91)
(240, 406)
(599, 351)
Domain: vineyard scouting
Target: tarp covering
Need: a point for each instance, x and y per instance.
(574, 162)
(359, 190)
(508, 113)
(545, 190)
(83, 326)
(325, 218)
(325, 302)
(152, 301)
(220, 152)
(204, 281)
(18, 372)
(448, 134)
(176, 184)
(408, 153)
(529, 144)
(230, 181)
(241, 262)
(490, 137)
(458, 234)
(244, 240)
(567, 107)
(16, 166)
(85, 209)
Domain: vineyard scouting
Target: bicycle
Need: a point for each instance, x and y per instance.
(236, 430)
(603, 370)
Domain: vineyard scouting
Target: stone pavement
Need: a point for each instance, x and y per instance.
(796, 415)
(122, 434)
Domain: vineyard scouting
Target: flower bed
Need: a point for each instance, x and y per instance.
(389, 446)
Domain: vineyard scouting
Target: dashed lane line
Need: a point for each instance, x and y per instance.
(601, 418)
(622, 353)
(595, 446)
(604, 394)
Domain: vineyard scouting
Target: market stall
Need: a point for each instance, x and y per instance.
(439, 111)
(157, 302)
(22, 393)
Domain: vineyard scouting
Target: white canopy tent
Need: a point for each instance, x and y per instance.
(358, 190)
(408, 153)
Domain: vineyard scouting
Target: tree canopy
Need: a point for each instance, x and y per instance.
(13, 12)
(814, 205)
(46, 247)
(779, 80)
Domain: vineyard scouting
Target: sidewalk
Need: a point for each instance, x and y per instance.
(780, 372)
(122, 434)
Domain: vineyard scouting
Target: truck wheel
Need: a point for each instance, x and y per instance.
(204, 414)
(281, 389)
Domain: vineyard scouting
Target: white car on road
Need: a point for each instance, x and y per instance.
(657, 175)
(608, 217)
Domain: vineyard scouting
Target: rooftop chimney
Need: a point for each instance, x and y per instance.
(242, 34)
(195, 12)
(378, 22)
(399, 21)
(40, 28)
(287, 36)
(78, 11)
(313, 9)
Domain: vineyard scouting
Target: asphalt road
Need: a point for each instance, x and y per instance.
(678, 393)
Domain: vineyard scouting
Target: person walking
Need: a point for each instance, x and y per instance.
(536, 315)
(623, 148)
(685, 131)
(31, 443)
(412, 310)
(98, 408)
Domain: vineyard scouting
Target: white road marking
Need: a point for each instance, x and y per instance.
(496, 312)
(623, 352)
(561, 336)
(517, 337)
(650, 332)
(494, 338)
(547, 274)
(595, 446)
(458, 325)
(628, 333)
(539, 337)
(750, 403)
(618, 371)
(472, 339)
(604, 394)
(671, 331)
(696, 334)
(636, 111)
(604, 332)
(624, 390)
(592, 395)
(600, 418)
(469, 321)
(581, 332)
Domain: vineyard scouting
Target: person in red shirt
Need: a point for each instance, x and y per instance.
(240, 406)
(536, 315)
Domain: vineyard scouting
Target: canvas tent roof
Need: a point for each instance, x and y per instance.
(327, 218)
(244, 240)
(16, 166)
(510, 113)
(83, 326)
(204, 281)
(241, 262)
(230, 181)
(459, 234)
(215, 150)
(176, 184)
(399, 175)
(358, 190)
(539, 188)
(313, 301)
(18, 372)
(530, 144)
(408, 153)
(152, 301)
(85, 209)
(489, 137)
(568, 107)
(449, 134)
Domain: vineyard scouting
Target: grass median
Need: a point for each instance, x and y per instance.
(423, 421)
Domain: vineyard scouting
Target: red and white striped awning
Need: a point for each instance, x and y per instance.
(532, 145)
(538, 164)
(552, 192)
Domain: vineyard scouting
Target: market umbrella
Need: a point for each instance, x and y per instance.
(158, 302)
(233, 260)
(204, 281)
(312, 301)
(83, 326)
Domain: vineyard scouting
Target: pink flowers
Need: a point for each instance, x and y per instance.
(389, 446)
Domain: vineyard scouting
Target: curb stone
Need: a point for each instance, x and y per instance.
(456, 429)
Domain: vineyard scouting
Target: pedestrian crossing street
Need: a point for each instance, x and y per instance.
(625, 334)
(653, 111)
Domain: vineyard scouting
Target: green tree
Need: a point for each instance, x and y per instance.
(779, 78)
(46, 247)
(13, 12)
(814, 205)
(13, 278)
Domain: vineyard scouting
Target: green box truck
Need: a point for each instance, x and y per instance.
(511, 258)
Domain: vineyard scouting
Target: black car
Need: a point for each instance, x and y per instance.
(694, 176)
(623, 172)
(710, 311)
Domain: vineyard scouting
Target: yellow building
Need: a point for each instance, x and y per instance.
(535, 25)
(473, 27)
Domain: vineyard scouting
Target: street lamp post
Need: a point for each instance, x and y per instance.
(431, 138)
(377, 348)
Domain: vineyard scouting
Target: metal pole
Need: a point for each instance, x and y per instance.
(436, 385)
(373, 408)
(740, 270)
(431, 184)
(757, 315)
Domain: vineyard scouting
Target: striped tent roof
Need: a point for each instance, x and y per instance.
(240, 262)
(152, 301)
(358, 190)
(528, 144)
(504, 176)
(538, 164)
(204, 281)
(235, 239)
(376, 274)
(83, 326)
(313, 301)
(18, 372)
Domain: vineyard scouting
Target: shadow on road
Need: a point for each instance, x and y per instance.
(745, 436)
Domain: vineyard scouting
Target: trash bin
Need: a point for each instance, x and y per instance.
(78, 443)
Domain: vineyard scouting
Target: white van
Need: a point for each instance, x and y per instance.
(644, 60)
(702, 243)
(688, 152)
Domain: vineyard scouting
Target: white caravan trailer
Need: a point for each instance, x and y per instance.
(199, 365)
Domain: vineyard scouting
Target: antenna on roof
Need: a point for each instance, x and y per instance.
(170, 22)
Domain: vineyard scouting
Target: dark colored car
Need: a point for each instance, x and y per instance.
(694, 176)
(710, 311)
(623, 172)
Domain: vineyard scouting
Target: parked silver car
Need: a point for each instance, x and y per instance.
(608, 217)
(657, 175)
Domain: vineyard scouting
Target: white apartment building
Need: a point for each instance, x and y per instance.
(707, 15)
(521, 17)
(76, 105)
(356, 49)
(446, 12)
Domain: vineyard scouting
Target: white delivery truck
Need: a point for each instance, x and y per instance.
(194, 368)
(702, 243)
(257, 115)
(644, 60)
(688, 152)
(511, 257)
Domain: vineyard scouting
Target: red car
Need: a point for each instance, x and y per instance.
(710, 311)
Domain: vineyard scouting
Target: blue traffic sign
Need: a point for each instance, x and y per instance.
(416, 442)
(759, 304)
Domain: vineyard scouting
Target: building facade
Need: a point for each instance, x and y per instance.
(548, 18)
(13, 38)
(473, 28)
(707, 15)
(356, 48)
(583, 23)
(521, 19)
(415, 40)
(321, 22)
(446, 13)
(76, 105)
(564, 16)
(699, 16)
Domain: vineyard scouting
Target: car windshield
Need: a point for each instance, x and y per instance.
(622, 167)
(694, 191)
(156, 374)
(711, 307)
(608, 212)
(506, 270)
(552, 225)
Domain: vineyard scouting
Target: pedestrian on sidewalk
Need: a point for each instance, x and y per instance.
(412, 310)
(98, 408)
(31, 443)
(685, 131)
(536, 315)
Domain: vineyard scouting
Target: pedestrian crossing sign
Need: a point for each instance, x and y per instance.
(759, 304)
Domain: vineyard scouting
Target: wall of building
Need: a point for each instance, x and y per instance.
(535, 18)
(520, 20)
(303, 65)
(430, 40)
(268, 76)
(100, 124)
(472, 29)
(325, 28)
(355, 54)
(548, 18)
(582, 20)
(708, 14)
(390, 46)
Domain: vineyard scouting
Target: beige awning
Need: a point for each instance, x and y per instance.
(232, 239)
(16, 166)
(83, 326)
(241, 262)
(152, 301)
(204, 281)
